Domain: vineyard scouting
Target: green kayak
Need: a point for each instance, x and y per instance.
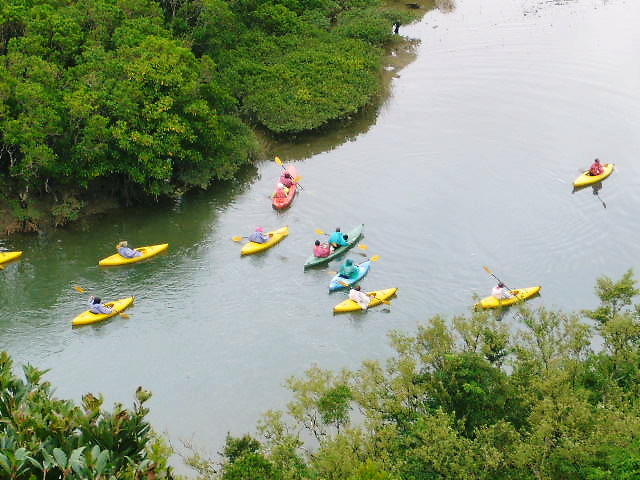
(354, 236)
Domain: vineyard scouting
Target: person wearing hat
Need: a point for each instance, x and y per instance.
(321, 250)
(361, 298)
(126, 252)
(96, 306)
(596, 168)
(348, 269)
(258, 236)
(501, 292)
(337, 239)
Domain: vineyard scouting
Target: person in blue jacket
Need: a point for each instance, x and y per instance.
(348, 269)
(337, 239)
(96, 306)
(126, 252)
(258, 236)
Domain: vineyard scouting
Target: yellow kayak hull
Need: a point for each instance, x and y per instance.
(9, 256)
(350, 306)
(86, 318)
(147, 252)
(584, 179)
(276, 236)
(519, 295)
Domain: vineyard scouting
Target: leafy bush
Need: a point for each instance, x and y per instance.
(47, 438)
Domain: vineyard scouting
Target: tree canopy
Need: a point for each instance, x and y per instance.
(146, 98)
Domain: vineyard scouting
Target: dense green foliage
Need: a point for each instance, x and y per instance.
(147, 98)
(46, 438)
(467, 399)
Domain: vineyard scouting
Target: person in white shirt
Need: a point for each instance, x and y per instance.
(501, 292)
(359, 297)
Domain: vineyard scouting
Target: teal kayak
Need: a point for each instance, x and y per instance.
(354, 236)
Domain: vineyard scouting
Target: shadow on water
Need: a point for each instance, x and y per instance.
(595, 189)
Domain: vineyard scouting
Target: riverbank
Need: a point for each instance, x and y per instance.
(23, 211)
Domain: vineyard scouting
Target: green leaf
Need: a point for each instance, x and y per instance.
(4, 463)
(102, 461)
(61, 457)
(20, 454)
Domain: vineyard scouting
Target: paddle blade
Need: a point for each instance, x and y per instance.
(486, 269)
(79, 289)
(319, 232)
(375, 258)
(331, 272)
(278, 161)
(236, 239)
(344, 284)
(297, 179)
(124, 315)
(363, 247)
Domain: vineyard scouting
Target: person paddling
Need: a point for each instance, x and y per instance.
(126, 252)
(321, 250)
(596, 168)
(337, 239)
(286, 180)
(258, 236)
(501, 292)
(348, 269)
(97, 307)
(361, 298)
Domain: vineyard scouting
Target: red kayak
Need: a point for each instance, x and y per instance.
(281, 203)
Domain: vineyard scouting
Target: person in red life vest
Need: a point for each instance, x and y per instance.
(596, 168)
(286, 180)
(321, 250)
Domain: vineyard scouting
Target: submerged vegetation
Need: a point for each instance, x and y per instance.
(466, 398)
(141, 99)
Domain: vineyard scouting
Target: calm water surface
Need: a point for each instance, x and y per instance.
(469, 162)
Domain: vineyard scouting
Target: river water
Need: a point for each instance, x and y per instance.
(468, 162)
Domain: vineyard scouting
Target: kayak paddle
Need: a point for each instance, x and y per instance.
(295, 180)
(386, 302)
(486, 269)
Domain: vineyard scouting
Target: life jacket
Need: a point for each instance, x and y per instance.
(596, 169)
(258, 237)
(321, 250)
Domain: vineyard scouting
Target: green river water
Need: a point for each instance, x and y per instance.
(468, 162)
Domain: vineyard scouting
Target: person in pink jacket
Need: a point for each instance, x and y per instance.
(321, 250)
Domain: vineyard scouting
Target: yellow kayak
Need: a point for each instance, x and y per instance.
(586, 179)
(518, 296)
(9, 256)
(350, 306)
(147, 252)
(85, 318)
(275, 237)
